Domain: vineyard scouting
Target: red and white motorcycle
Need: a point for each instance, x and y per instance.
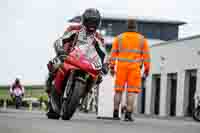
(72, 81)
(18, 94)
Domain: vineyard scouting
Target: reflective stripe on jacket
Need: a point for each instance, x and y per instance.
(130, 48)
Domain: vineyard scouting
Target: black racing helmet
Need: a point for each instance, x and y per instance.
(91, 19)
(17, 81)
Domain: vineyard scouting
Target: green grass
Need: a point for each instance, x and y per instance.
(30, 91)
(4, 93)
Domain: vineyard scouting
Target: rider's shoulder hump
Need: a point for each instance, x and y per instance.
(73, 28)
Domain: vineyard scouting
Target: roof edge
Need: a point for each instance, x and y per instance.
(178, 40)
(139, 19)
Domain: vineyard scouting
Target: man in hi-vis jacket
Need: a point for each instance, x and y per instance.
(130, 52)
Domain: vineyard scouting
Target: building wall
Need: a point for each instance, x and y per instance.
(174, 62)
(175, 56)
(170, 87)
(161, 31)
(168, 32)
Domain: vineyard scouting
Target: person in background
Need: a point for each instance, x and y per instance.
(16, 85)
(130, 52)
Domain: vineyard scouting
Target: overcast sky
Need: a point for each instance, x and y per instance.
(29, 27)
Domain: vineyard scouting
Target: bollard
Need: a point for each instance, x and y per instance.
(30, 106)
(44, 107)
(4, 104)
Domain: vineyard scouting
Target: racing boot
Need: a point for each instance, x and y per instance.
(55, 101)
(48, 83)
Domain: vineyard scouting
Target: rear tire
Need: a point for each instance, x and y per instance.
(196, 114)
(72, 102)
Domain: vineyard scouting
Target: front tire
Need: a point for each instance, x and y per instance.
(72, 102)
(17, 102)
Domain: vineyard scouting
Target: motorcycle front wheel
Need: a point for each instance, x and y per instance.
(72, 102)
(17, 102)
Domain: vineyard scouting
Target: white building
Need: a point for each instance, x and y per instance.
(175, 77)
(175, 67)
(170, 88)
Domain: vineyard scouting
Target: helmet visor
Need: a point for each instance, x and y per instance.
(91, 23)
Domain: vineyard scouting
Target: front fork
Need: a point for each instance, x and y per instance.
(68, 85)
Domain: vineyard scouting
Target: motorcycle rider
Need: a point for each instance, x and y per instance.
(14, 86)
(81, 33)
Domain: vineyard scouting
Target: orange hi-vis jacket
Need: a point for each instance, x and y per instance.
(129, 53)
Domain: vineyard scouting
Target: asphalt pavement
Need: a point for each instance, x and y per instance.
(21, 121)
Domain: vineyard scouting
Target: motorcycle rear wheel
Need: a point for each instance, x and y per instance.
(72, 102)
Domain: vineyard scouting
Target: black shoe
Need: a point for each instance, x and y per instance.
(116, 118)
(128, 117)
(86, 111)
(116, 115)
